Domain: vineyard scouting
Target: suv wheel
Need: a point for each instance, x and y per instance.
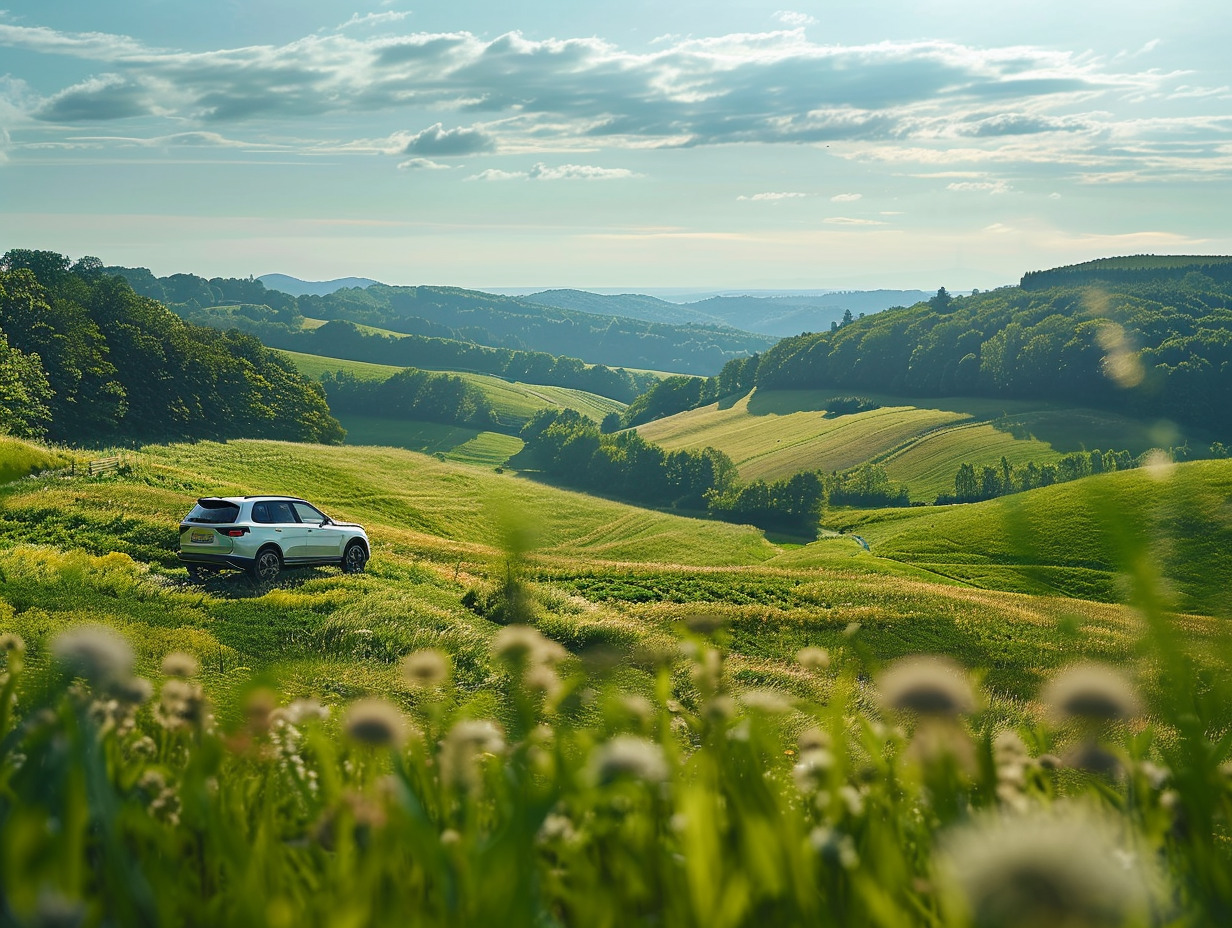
(354, 559)
(267, 565)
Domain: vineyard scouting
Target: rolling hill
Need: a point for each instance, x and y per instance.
(772, 434)
(296, 287)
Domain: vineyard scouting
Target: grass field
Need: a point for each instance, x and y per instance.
(514, 402)
(920, 443)
(627, 572)
(21, 458)
(453, 442)
(662, 750)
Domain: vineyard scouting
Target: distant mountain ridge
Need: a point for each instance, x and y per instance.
(776, 316)
(284, 283)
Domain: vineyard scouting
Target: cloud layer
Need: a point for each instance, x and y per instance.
(925, 101)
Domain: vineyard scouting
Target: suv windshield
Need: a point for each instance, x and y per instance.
(214, 512)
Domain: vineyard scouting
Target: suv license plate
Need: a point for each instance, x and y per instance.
(201, 536)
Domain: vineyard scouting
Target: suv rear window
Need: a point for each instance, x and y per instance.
(214, 513)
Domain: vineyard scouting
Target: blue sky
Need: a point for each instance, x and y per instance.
(744, 144)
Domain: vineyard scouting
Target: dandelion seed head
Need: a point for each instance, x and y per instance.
(812, 658)
(766, 701)
(629, 757)
(134, 690)
(302, 710)
(11, 641)
(94, 652)
(425, 669)
(179, 664)
(375, 722)
(521, 644)
(926, 686)
(1090, 691)
(1060, 867)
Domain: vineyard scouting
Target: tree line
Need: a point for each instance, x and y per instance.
(346, 340)
(972, 484)
(424, 396)
(83, 358)
(570, 449)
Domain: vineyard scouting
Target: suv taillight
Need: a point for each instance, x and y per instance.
(234, 532)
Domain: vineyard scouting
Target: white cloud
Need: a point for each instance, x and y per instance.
(496, 174)
(848, 221)
(541, 171)
(846, 197)
(422, 164)
(437, 140)
(980, 186)
(771, 196)
(374, 19)
(794, 19)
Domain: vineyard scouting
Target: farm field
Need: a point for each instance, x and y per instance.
(775, 434)
(514, 402)
(453, 442)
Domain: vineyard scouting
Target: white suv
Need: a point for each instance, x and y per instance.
(264, 534)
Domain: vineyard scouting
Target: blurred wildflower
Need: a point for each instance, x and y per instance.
(811, 770)
(556, 828)
(1094, 692)
(719, 710)
(466, 742)
(766, 701)
(56, 911)
(300, 711)
(520, 645)
(851, 629)
(834, 847)
(375, 722)
(134, 691)
(926, 686)
(1092, 757)
(704, 623)
(12, 642)
(628, 756)
(811, 658)
(425, 669)
(812, 738)
(181, 705)
(94, 652)
(179, 664)
(1058, 868)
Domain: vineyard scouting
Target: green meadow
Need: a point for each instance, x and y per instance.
(541, 708)
(771, 435)
(513, 402)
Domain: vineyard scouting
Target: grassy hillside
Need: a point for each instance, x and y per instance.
(513, 402)
(21, 458)
(1071, 539)
(602, 568)
(452, 442)
(773, 434)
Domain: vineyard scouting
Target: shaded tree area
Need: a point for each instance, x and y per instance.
(117, 366)
(569, 448)
(411, 394)
(679, 394)
(1160, 347)
(797, 503)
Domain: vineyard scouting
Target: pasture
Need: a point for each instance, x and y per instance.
(921, 443)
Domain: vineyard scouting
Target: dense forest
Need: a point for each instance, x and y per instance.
(1157, 347)
(466, 316)
(83, 358)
